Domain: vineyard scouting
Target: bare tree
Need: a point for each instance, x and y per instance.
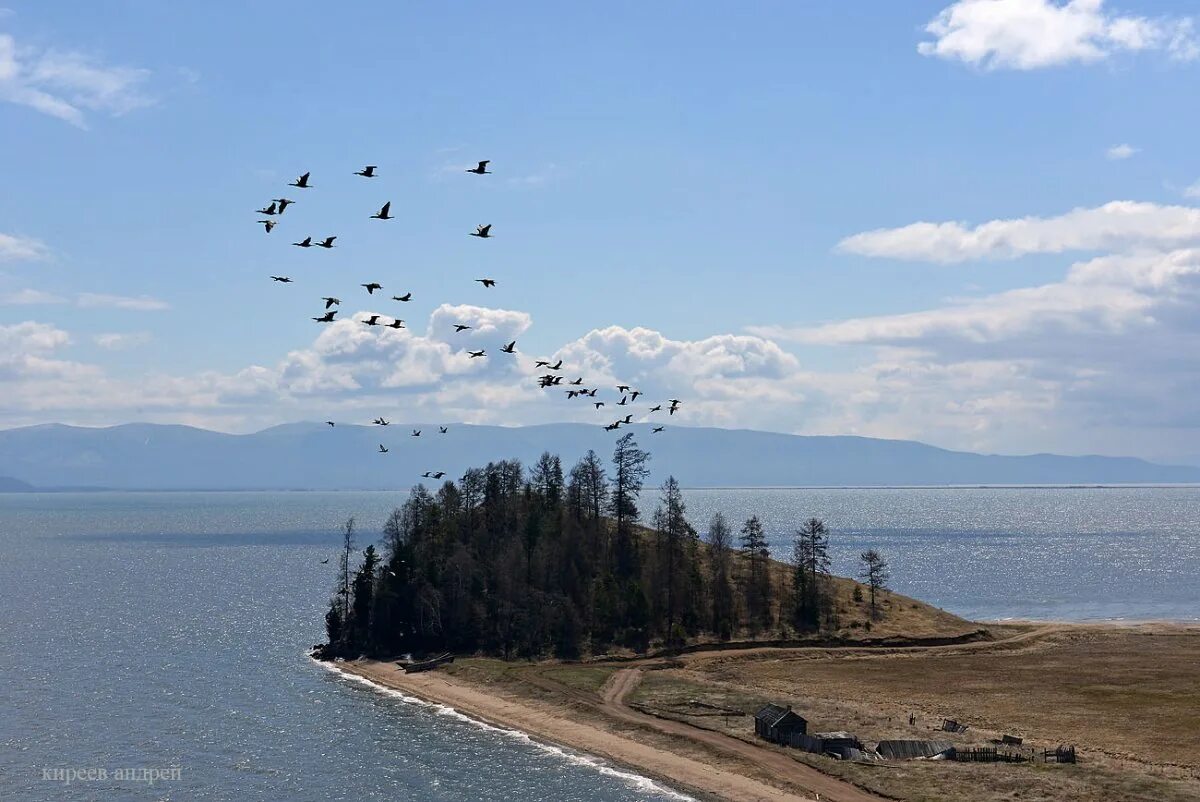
(875, 574)
(720, 551)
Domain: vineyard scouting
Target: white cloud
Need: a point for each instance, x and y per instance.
(14, 248)
(139, 303)
(1122, 151)
(118, 341)
(1034, 34)
(32, 337)
(1115, 226)
(30, 297)
(1107, 295)
(67, 84)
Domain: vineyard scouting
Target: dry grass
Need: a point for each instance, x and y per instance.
(1129, 698)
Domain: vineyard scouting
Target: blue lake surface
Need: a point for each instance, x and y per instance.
(159, 630)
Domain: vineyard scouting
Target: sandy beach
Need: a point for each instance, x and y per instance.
(1100, 686)
(704, 780)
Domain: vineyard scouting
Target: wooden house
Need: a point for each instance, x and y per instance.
(777, 724)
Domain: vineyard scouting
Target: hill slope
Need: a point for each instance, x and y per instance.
(315, 456)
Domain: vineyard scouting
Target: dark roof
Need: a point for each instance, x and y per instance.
(773, 715)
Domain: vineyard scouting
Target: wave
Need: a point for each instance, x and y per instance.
(635, 781)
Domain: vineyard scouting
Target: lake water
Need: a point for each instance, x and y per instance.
(155, 631)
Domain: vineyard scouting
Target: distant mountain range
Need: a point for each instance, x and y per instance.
(140, 456)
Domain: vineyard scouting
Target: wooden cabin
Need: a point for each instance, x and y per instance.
(777, 724)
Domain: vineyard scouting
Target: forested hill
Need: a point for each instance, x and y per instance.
(543, 561)
(316, 456)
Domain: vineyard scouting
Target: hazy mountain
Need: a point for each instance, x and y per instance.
(11, 485)
(315, 456)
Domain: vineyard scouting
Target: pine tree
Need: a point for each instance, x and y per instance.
(674, 538)
(757, 587)
(811, 566)
(629, 472)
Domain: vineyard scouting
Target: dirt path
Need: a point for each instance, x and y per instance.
(555, 725)
(622, 683)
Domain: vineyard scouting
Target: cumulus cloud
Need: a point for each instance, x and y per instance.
(66, 84)
(14, 248)
(1120, 152)
(1115, 226)
(1035, 34)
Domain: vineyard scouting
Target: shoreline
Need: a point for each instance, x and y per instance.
(671, 773)
(632, 775)
(674, 758)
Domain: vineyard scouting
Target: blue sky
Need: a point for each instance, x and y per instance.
(680, 201)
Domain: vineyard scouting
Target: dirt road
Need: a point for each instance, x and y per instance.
(622, 683)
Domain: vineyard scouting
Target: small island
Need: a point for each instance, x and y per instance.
(549, 606)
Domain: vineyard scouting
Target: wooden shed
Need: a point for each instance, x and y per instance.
(777, 724)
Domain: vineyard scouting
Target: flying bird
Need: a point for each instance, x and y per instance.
(622, 388)
(541, 363)
(381, 422)
(406, 297)
(324, 561)
(301, 182)
(382, 450)
(281, 279)
(624, 400)
(633, 396)
(382, 214)
(476, 354)
(628, 420)
(443, 429)
(598, 404)
(656, 430)
(487, 282)
(656, 408)
(268, 225)
(610, 427)
(578, 381)
(373, 320)
(438, 474)
(304, 243)
(283, 203)
(483, 232)
(372, 287)
(331, 423)
(416, 432)
(367, 172)
(327, 317)
(556, 366)
(460, 327)
(330, 301)
(572, 393)
(269, 210)
(396, 324)
(481, 168)
(326, 243)
(508, 349)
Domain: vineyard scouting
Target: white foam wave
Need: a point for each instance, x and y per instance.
(635, 781)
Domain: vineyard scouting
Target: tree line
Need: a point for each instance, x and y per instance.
(529, 563)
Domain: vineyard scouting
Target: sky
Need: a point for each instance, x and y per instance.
(971, 223)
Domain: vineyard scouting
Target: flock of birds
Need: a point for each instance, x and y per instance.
(552, 378)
